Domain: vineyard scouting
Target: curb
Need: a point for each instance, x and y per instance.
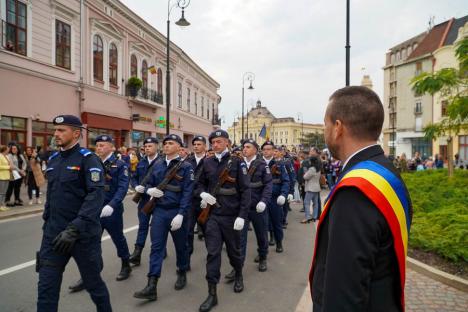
(21, 213)
(438, 275)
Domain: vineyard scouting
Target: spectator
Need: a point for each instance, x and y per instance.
(19, 171)
(300, 175)
(439, 162)
(429, 164)
(403, 163)
(32, 159)
(336, 169)
(133, 164)
(458, 162)
(419, 164)
(312, 188)
(5, 175)
(141, 154)
(124, 155)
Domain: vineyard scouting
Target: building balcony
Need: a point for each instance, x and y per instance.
(216, 121)
(146, 96)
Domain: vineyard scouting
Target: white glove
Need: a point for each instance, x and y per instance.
(281, 200)
(210, 199)
(140, 189)
(155, 192)
(203, 204)
(177, 222)
(239, 224)
(261, 207)
(106, 211)
(290, 198)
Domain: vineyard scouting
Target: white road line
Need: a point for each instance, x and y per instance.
(33, 262)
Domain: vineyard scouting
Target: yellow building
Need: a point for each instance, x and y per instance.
(282, 131)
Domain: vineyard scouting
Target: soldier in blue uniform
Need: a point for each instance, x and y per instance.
(144, 168)
(115, 188)
(196, 160)
(72, 228)
(169, 215)
(230, 207)
(288, 164)
(279, 193)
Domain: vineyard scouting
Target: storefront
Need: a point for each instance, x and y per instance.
(13, 129)
(97, 125)
(42, 134)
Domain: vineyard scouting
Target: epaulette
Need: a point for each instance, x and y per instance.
(85, 152)
(53, 155)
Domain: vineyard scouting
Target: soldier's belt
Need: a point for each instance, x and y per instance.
(173, 188)
(276, 181)
(256, 184)
(227, 191)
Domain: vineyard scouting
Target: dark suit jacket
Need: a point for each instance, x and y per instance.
(356, 267)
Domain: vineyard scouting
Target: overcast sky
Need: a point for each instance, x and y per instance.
(295, 48)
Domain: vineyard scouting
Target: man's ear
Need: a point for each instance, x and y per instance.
(338, 129)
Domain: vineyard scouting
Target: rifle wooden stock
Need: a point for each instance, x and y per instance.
(205, 213)
(149, 206)
(137, 197)
(275, 170)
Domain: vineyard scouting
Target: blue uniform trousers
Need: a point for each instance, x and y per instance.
(114, 226)
(143, 228)
(275, 214)
(160, 228)
(259, 222)
(285, 212)
(88, 256)
(192, 220)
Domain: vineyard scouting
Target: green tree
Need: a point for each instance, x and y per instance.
(452, 85)
(313, 139)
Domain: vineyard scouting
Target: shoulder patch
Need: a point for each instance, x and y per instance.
(125, 172)
(85, 152)
(95, 169)
(53, 155)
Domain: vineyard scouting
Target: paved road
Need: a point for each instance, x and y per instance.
(279, 289)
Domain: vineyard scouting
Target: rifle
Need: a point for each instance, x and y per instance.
(223, 178)
(137, 197)
(275, 169)
(149, 206)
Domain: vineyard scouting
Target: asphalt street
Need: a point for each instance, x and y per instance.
(278, 289)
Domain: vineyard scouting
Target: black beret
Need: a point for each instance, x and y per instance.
(68, 120)
(173, 137)
(103, 138)
(268, 143)
(151, 140)
(218, 134)
(199, 138)
(236, 149)
(250, 141)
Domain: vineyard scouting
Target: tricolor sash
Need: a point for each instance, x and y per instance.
(388, 194)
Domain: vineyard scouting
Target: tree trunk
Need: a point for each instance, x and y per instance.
(450, 156)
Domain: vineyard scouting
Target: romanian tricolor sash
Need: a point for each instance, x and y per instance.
(388, 194)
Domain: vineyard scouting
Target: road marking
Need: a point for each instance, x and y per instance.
(33, 262)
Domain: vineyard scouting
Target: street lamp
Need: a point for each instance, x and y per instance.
(248, 76)
(182, 4)
(302, 126)
(348, 47)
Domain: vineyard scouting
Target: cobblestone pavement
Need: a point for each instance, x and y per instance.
(424, 294)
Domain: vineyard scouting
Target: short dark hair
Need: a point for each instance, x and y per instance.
(359, 109)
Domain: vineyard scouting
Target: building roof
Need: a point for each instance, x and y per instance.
(432, 41)
(453, 32)
(260, 111)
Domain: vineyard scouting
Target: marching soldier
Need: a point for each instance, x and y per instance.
(171, 187)
(224, 189)
(143, 170)
(115, 189)
(279, 193)
(72, 227)
(196, 160)
(288, 164)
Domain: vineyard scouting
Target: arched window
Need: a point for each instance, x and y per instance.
(113, 57)
(160, 81)
(97, 57)
(144, 73)
(133, 66)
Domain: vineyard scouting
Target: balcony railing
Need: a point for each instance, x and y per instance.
(216, 121)
(147, 94)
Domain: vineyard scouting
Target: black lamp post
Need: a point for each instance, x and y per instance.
(248, 76)
(181, 22)
(348, 47)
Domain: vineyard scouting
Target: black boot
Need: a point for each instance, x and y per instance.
(149, 292)
(124, 271)
(272, 240)
(257, 259)
(262, 265)
(238, 283)
(231, 276)
(135, 257)
(181, 280)
(78, 286)
(211, 300)
(279, 247)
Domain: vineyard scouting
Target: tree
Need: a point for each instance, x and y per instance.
(313, 139)
(452, 84)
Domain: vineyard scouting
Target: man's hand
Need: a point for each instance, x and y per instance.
(210, 199)
(140, 189)
(66, 239)
(290, 198)
(239, 224)
(177, 222)
(281, 200)
(155, 192)
(107, 211)
(261, 207)
(203, 204)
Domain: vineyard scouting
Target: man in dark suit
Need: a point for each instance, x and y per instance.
(357, 262)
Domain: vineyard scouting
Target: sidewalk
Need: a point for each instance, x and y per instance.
(26, 209)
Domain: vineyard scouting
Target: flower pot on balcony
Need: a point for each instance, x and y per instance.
(134, 84)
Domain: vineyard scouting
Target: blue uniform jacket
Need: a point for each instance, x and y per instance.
(229, 205)
(196, 171)
(281, 180)
(181, 199)
(116, 182)
(140, 173)
(291, 173)
(261, 184)
(75, 192)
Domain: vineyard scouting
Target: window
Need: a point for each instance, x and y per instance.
(421, 145)
(443, 111)
(208, 111)
(133, 66)
(13, 129)
(188, 99)
(196, 104)
(97, 57)
(418, 108)
(144, 73)
(62, 44)
(418, 68)
(113, 57)
(463, 147)
(15, 27)
(418, 123)
(179, 95)
(160, 81)
(202, 106)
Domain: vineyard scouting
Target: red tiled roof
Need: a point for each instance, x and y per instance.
(434, 39)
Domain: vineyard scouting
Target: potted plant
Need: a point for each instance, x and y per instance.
(134, 84)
